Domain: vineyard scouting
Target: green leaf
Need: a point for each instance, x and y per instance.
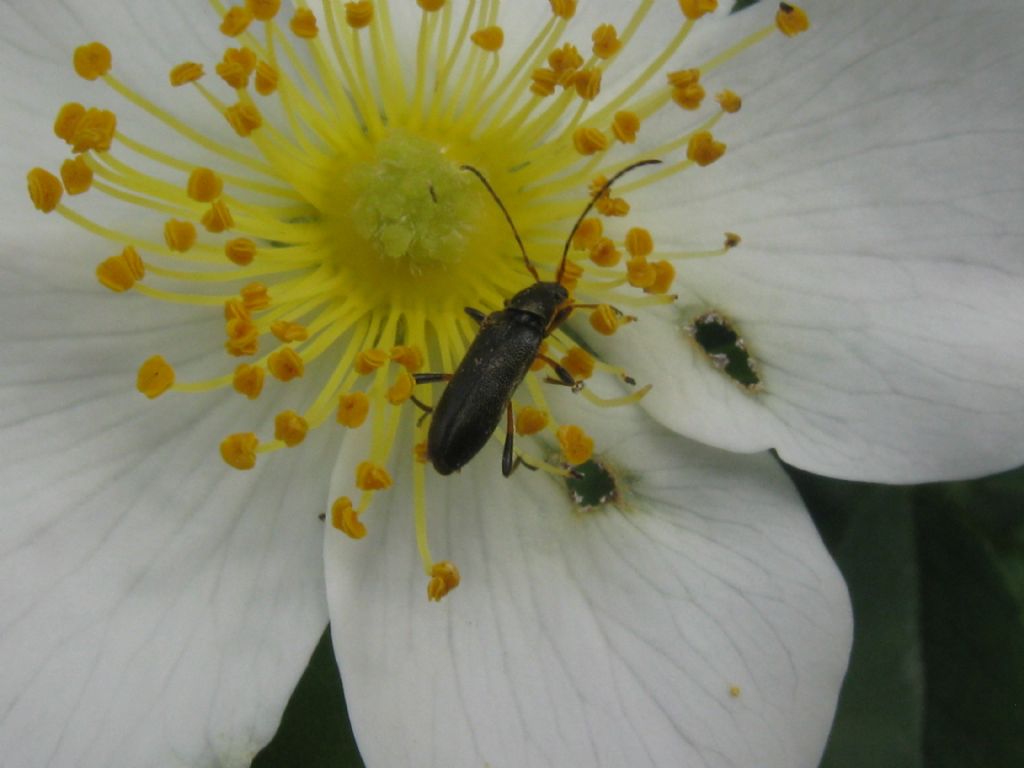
(314, 730)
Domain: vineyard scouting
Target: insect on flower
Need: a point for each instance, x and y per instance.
(500, 356)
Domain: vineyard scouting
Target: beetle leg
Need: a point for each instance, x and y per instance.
(507, 454)
(560, 317)
(564, 377)
(476, 314)
(429, 378)
(421, 405)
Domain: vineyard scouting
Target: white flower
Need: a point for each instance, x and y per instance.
(157, 608)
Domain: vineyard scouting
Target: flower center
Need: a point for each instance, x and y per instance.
(334, 224)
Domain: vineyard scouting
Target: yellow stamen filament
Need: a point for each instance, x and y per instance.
(372, 477)
(179, 235)
(285, 364)
(239, 450)
(703, 149)
(530, 420)
(345, 518)
(155, 377)
(444, 576)
(694, 9)
(240, 251)
(184, 73)
(119, 273)
(290, 428)
(248, 380)
(303, 24)
(45, 189)
(791, 20)
(92, 61)
(353, 409)
(577, 446)
(616, 402)
(359, 15)
(236, 21)
(489, 39)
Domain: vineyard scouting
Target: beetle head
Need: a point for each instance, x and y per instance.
(540, 299)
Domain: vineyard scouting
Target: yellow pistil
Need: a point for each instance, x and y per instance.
(694, 9)
(489, 38)
(589, 141)
(345, 518)
(92, 61)
(530, 420)
(45, 189)
(703, 149)
(791, 20)
(625, 126)
(287, 331)
(184, 73)
(240, 251)
(119, 273)
(444, 577)
(606, 41)
(359, 15)
(290, 428)
(372, 477)
(577, 445)
(285, 364)
(236, 21)
(248, 380)
(76, 175)
(239, 450)
(579, 363)
(218, 217)
(263, 10)
(729, 101)
(303, 24)
(353, 409)
(155, 377)
(204, 186)
(347, 198)
(639, 242)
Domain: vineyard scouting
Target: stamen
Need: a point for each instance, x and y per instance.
(370, 360)
(76, 175)
(248, 380)
(155, 377)
(430, 5)
(729, 101)
(579, 363)
(204, 186)
(184, 73)
(290, 428)
(236, 21)
(218, 218)
(92, 61)
(287, 331)
(346, 518)
(791, 20)
(694, 9)
(444, 576)
(625, 126)
(530, 420)
(179, 235)
(589, 141)
(303, 24)
(240, 251)
(616, 402)
(703, 149)
(239, 450)
(353, 409)
(489, 39)
(285, 364)
(606, 320)
(577, 446)
(119, 273)
(45, 189)
(606, 41)
(359, 15)
(263, 10)
(372, 477)
(402, 388)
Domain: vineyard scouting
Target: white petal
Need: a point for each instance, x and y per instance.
(875, 174)
(156, 607)
(605, 638)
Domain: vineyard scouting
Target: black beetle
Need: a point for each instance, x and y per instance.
(497, 360)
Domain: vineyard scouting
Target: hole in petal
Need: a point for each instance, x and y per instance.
(593, 486)
(725, 348)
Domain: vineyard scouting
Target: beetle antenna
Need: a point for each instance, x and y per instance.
(593, 200)
(526, 259)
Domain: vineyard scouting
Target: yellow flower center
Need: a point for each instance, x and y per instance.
(336, 222)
